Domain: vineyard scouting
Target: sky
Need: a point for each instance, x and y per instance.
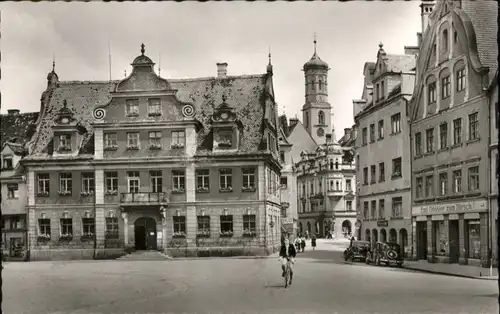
(191, 37)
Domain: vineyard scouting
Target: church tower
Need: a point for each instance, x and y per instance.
(317, 112)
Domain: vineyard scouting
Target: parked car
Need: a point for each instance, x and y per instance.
(385, 253)
(357, 252)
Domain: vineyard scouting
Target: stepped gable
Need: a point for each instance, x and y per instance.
(16, 128)
(246, 94)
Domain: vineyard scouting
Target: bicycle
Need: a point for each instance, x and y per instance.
(288, 272)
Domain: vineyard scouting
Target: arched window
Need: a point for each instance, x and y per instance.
(307, 120)
(445, 40)
(320, 84)
(337, 188)
(321, 117)
(336, 164)
(331, 164)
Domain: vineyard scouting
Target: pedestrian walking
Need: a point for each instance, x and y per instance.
(303, 243)
(313, 241)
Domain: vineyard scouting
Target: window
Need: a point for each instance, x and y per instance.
(249, 225)
(178, 139)
(132, 107)
(396, 123)
(225, 179)
(111, 228)
(457, 181)
(154, 107)
(397, 206)
(381, 172)
(445, 87)
(65, 183)
(396, 168)
(373, 174)
(381, 129)
(65, 142)
(88, 186)
(203, 226)
(156, 181)
(473, 238)
(381, 209)
(460, 74)
(111, 182)
(16, 223)
(348, 185)
(88, 226)
(373, 209)
(7, 163)
(443, 135)
(133, 140)
(284, 182)
(473, 127)
(431, 90)
(248, 178)
(429, 137)
(178, 180)
(443, 184)
(282, 157)
(455, 37)
(365, 210)
(419, 188)
(155, 139)
(133, 181)
(43, 184)
(110, 140)
(307, 119)
(365, 175)
(418, 144)
(372, 133)
(378, 92)
(202, 180)
(429, 186)
(320, 85)
(474, 179)
(321, 115)
(66, 226)
(348, 206)
(44, 227)
(179, 226)
(12, 191)
(457, 131)
(382, 90)
(226, 224)
(364, 136)
(445, 40)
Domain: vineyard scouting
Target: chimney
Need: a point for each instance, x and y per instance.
(426, 7)
(411, 50)
(13, 112)
(222, 69)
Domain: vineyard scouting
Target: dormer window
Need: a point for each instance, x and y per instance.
(64, 143)
(154, 108)
(382, 90)
(132, 107)
(225, 139)
(7, 163)
(445, 40)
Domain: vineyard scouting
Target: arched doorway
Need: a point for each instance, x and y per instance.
(300, 227)
(316, 228)
(393, 236)
(346, 227)
(309, 228)
(145, 233)
(383, 235)
(367, 235)
(403, 241)
(374, 236)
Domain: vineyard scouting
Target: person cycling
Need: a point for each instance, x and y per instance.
(287, 252)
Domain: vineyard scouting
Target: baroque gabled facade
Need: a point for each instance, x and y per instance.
(449, 132)
(183, 166)
(383, 151)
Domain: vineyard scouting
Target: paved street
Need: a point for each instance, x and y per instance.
(323, 284)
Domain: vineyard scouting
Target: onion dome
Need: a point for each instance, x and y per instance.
(315, 61)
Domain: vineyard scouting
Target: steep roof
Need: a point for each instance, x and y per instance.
(16, 128)
(245, 93)
(399, 63)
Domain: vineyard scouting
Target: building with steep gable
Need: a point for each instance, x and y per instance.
(189, 167)
(449, 132)
(383, 151)
(16, 129)
(494, 169)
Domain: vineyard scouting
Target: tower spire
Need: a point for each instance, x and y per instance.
(159, 63)
(315, 42)
(269, 66)
(53, 62)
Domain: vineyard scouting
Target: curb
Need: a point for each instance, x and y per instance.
(173, 259)
(450, 274)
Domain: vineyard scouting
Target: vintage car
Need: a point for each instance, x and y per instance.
(385, 253)
(357, 251)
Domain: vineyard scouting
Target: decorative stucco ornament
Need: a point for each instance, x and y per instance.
(99, 113)
(188, 111)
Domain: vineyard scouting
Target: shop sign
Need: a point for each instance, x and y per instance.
(286, 221)
(443, 209)
(382, 223)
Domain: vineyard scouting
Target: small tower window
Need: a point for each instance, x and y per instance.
(307, 120)
(320, 84)
(455, 37)
(445, 40)
(321, 117)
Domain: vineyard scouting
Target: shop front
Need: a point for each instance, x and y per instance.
(452, 232)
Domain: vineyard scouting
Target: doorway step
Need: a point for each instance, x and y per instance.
(145, 256)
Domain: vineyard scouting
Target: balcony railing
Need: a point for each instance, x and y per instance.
(143, 197)
(335, 193)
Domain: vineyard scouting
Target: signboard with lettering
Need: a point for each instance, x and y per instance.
(382, 223)
(451, 208)
(286, 221)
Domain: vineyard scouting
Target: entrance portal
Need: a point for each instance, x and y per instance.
(453, 244)
(145, 233)
(421, 240)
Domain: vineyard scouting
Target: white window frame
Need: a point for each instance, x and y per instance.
(396, 123)
(178, 139)
(156, 178)
(12, 191)
(155, 139)
(65, 141)
(443, 140)
(460, 79)
(133, 181)
(457, 181)
(443, 183)
(429, 140)
(381, 129)
(429, 188)
(88, 185)
(132, 107)
(248, 175)
(110, 140)
(65, 182)
(111, 181)
(178, 180)
(397, 207)
(419, 187)
(457, 136)
(473, 178)
(226, 179)
(445, 87)
(43, 180)
(69, 227)
(473, 126)
(133, 139)
(154, 107)
(204, 176)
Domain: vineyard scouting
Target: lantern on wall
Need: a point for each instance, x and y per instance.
(178, 212)
(87, 214)
(65, 214)
(111, 214)
(225, 212)
(43, 216)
